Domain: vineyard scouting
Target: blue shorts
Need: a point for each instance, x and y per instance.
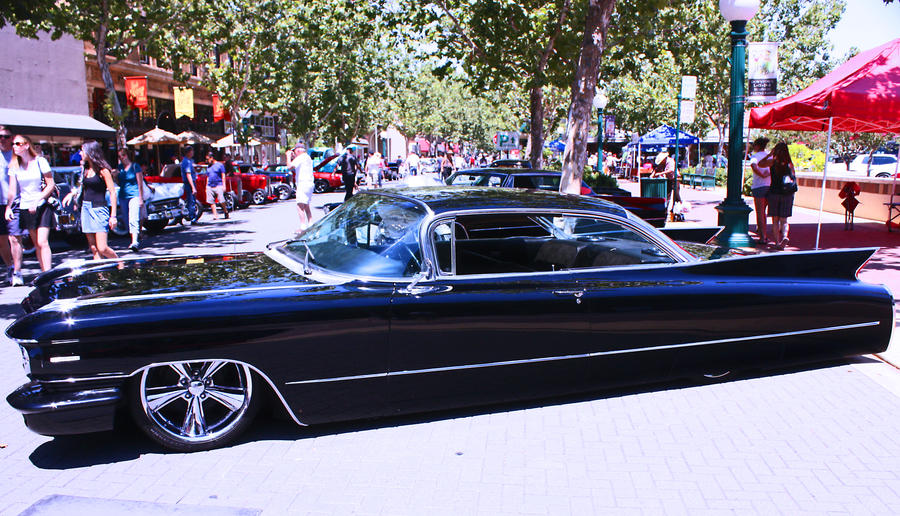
(94, 220)
(760, 191)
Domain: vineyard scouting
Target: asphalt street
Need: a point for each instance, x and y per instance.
(801, 441)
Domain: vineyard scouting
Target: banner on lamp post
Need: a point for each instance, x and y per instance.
(688, 86)
(609, 127)
(184, 102)
(687, 112)
(136, 92)
(218, 109)
(762, 84)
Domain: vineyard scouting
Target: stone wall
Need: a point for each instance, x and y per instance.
(874, 194)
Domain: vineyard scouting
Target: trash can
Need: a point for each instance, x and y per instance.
(653, 187)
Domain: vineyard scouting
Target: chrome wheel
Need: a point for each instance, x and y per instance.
(191, 406)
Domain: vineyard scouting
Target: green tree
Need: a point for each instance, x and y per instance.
(115, 28)
(512, 45)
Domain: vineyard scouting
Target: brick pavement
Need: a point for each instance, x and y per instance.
(806, 441)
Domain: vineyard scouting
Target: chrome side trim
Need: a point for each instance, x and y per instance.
(583, 355)
(66, 305)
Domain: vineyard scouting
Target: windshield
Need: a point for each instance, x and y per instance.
(475, 179)
(369, 235)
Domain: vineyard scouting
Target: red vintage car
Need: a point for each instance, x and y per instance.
(327, 178)
(234, 197)
(257, 187)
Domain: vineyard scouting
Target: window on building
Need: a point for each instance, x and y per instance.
(143, 58)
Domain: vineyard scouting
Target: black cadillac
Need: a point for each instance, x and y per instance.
(417, 300)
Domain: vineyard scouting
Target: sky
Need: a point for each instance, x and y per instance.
(866, 24)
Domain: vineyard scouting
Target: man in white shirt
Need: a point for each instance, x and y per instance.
(303, 168)
(412, 163)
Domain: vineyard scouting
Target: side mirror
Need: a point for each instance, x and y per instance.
(425, 273)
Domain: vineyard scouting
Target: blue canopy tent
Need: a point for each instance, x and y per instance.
(556, 145)
(660, 139)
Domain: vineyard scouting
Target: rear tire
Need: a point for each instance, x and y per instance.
(258, 197)
(230, 203)
(284, 192)
(194, 406)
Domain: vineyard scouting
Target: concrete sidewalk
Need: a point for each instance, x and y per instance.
(883, 268)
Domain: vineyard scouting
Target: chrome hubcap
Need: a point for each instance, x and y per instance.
(196, 401)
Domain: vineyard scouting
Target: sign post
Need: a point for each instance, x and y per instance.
(762, 77)
(687, 93)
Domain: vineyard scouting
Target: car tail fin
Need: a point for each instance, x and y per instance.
(832, 264)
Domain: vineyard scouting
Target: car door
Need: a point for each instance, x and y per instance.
(493, 325)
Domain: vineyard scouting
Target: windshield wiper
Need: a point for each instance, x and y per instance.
(309, 254)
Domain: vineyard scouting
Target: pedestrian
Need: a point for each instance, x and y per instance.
(8, 229)
(97, 218)
(131, 186)
(30, 179)
(412, 163)
(759, 187)
(458, 162)
(446, 166)
(303, 170)
(665, 167)
(373, 169)
(347, 166)
(781, 193)
(189, 178)
(215, 185)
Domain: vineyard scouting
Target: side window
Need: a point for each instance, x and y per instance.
(535, 242)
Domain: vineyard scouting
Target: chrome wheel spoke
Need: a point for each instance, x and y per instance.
(194, 422)
(212, 368)
(157, 401)
(231, 401)
(182, 372)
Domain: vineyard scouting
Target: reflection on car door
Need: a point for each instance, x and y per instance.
(489, 328)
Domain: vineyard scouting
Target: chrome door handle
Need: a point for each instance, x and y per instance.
(577, 294)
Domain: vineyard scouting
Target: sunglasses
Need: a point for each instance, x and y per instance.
(19, 144)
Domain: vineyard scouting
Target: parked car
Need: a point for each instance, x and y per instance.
(412, 300)
(510, 163)
(255, 185)
(326, 176)
(875, 165)
(651, 209)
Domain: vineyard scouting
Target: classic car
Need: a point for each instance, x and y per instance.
(326, 176)
(260, 186)
(411, 300)
(651, 209)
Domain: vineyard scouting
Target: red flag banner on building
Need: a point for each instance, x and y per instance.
(218, 109)
(184, 102)
(136, 92)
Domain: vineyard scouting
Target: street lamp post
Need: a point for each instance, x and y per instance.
(600, 101)
(733, 211)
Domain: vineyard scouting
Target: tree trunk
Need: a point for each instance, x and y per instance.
(101, 46)
(537, 126)
(583, 88)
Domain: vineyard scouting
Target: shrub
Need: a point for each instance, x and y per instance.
(597, 180)
(805, 158)
(722, 179)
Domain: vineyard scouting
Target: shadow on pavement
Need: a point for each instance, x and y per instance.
(11, 311)
(127, 442)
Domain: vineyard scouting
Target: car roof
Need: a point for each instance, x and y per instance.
(512, 171)
(442, 199)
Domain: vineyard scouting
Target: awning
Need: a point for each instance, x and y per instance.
(44, 123)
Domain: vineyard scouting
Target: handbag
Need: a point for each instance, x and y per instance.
(789, 185)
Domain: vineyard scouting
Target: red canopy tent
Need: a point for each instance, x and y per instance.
(861, 95)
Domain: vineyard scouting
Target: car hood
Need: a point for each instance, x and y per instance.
(111, 279)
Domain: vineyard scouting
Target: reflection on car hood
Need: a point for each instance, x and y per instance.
(169, 275)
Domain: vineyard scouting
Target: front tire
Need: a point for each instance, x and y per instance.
(321, 186)
(284, 192)
(194, 406)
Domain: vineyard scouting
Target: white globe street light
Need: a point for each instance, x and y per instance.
(737, 10)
